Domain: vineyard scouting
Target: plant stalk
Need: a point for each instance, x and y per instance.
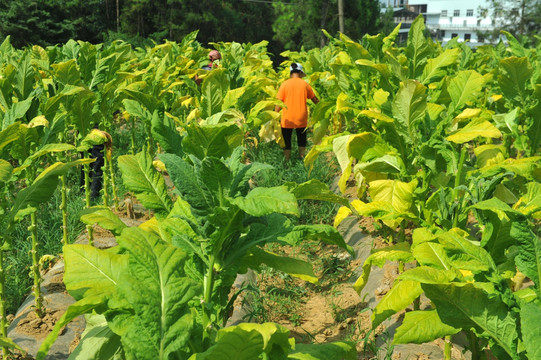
(132, 149)
(208, 284)
(64, 208)
(474, 346)
(458, 176)
(113, 184)
(105, 180)
(3, 321)
(86, 169)
(35, 266)
(448, 347)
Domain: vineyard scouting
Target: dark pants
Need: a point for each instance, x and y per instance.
(96, 172)
(301, 137)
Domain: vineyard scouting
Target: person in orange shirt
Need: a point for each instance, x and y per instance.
(294, 92)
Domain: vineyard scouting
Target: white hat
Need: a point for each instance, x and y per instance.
(296, 66)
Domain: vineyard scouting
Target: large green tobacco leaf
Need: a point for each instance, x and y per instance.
(418, 48)
(83, 306)
(409, 109)
(67, 73)
(159, 293)
(187, 182)
(81, 108)
(165, 133)
(140, 177)
(322, 232)
(367, 146)
(398, 252)
(242, 174)
(330, 351)
(474, 129)
(217, 140)
(422, 326)
(431, 254)
(43, 187)
(340, 149)
(463, 254)
(315, 190)
(294, 267)
(90, 271)
(528, 259)
(135, 91)
(497, 238)
(429, 275)
(104, 217)
(213, 91)
(525, 167)
(396, 193)
(387, 164)
(24, 77)
(49, 149)
(216, 176)
(8, 135)
(401, 295)
(534, 131)
(247, 342)
(470, 306)
(464, 87)
(135, 109)
(17, 111)
(530, 317)
(97, 341)
(5, 170)
(264, 201)
(530, 202)
(434, 71)
(515, 78)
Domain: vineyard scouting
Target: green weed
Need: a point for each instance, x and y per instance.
(18, 280)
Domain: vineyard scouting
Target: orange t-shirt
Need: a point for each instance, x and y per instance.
(294, 92)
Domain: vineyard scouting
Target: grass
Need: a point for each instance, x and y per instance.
(311, 211)
(18, 260)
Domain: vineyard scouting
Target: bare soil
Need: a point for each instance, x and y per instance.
(39, 327)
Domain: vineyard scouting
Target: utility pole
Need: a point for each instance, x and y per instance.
(341, 16)
(117, 16)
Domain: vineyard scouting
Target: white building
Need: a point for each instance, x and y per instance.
(447, 19)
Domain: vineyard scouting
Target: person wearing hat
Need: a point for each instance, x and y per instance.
(214, 56)
(294, 93)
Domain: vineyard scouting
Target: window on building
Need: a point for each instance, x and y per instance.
(442, 33)
(456, 13)
(423, 9)
(480, 38)
(467, 37)
(469, 12)
(454, 35)
(443, 13)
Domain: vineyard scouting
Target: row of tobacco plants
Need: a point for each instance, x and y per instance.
(439, 140)
(164, 291)
(443, 145)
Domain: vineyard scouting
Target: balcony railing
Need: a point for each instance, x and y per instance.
(472, 27)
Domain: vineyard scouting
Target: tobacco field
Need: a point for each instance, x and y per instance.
(439, 145)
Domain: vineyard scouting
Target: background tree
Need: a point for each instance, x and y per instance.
(300, 23)
(49, 22)
(285, 26)
(518, 17)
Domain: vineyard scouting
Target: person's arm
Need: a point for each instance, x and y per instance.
(277, 108)
(315, 100)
